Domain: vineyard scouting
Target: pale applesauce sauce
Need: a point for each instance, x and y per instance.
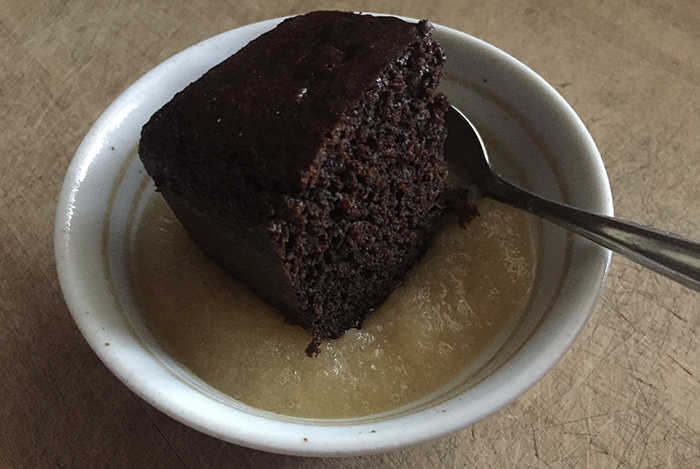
(453, 305)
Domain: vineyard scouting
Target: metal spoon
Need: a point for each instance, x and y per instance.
(674, 256)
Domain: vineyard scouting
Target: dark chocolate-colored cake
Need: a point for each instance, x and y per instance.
(309, 163)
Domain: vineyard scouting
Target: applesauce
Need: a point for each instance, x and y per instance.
(455, 303)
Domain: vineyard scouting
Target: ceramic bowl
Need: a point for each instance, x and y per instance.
(534, 137)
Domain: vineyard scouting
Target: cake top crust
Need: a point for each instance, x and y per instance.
(267, 109)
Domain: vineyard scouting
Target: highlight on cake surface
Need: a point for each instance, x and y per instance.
(309, 164)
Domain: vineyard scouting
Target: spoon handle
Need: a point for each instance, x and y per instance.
(674, 256)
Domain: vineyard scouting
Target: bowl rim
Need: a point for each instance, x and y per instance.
(294, 436)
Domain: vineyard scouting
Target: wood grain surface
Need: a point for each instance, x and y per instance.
(627, 393)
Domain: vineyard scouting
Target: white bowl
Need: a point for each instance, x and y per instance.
(534, 137)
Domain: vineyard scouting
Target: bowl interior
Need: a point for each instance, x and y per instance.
(534, 138)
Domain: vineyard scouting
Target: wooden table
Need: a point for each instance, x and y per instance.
(626, 395)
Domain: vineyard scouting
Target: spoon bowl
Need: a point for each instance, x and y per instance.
(672, 255)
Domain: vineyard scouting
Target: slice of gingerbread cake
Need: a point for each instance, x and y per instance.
(309, 164)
